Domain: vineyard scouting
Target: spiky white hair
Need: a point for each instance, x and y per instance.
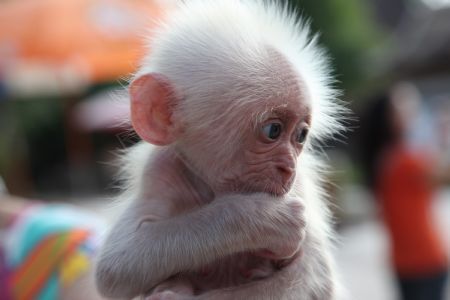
(207, 44)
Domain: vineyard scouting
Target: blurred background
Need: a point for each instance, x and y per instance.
(64, 64)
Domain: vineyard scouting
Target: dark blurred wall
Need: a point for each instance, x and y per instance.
(389, 12)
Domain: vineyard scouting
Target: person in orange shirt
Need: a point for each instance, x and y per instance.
(404, 181)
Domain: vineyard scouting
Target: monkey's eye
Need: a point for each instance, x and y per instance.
(301, 137)
(272, 130)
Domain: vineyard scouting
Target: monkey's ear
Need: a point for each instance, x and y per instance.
(152, 102)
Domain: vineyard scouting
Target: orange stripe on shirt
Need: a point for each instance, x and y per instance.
(36, 257)
(31, 276)
(45, 255)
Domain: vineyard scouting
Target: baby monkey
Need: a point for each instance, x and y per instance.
(234, 94)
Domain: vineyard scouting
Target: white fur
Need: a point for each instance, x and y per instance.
(208, 45)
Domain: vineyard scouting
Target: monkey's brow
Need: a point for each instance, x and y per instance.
(286, 113)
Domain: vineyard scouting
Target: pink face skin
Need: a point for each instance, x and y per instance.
(262, 154)
(267, 138)
(269, 151)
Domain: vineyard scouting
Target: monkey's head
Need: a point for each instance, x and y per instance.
(239, 90)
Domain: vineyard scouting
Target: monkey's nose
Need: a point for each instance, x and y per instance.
(286, 173)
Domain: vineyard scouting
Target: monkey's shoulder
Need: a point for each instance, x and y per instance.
(168, 177)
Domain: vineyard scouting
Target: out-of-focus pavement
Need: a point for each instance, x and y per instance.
(363, 262)
(363, 257)
(362, 253)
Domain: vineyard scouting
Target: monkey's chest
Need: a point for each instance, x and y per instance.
(232, 271)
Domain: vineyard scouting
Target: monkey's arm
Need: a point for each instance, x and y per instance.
(140, 252)
(310, 276)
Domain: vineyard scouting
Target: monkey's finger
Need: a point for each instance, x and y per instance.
(282, 263)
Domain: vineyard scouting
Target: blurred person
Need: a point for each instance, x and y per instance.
(404, 179)
(443, 131)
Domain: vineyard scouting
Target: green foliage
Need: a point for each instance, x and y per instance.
(347, 30)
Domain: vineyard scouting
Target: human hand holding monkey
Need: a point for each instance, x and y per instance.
(233, 94)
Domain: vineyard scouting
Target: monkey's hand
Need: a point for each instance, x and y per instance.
(283, 228)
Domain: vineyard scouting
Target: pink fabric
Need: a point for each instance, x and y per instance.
(4, 289)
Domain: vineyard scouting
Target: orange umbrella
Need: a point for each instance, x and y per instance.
(101, 40)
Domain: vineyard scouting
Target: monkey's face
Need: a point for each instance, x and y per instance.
(265, 157)
(269, 154)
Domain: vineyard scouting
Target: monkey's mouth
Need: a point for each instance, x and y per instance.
(262, 184)
(276, 189)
